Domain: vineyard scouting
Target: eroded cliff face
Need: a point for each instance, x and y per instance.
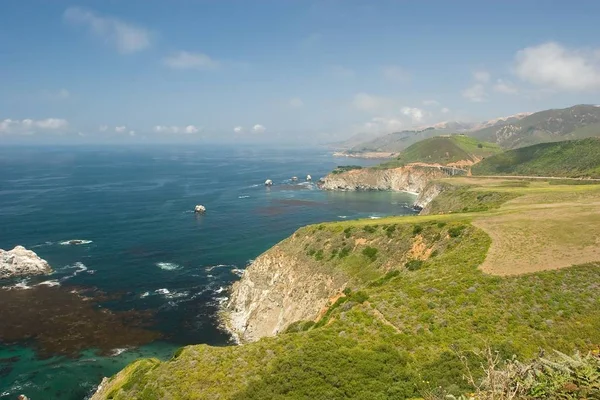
(279, 288)
(409, 178)
(426, 196)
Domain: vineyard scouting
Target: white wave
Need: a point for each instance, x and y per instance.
(374, 217)
(243, 197)
(21, 285)
(116, 352)
(168, 266)
(144, 295)
(210, 268)
(43, 244)
(172, 295)
(79, 266)
(162, 291)
(75, 242)
(91, 271)
(221, 300)
(342, 216)
(49, 283)
(238, 272)
(221, 289)
(210, 276)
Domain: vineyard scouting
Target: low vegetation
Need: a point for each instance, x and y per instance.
(575, 158)
(418, 315)
(344, 168)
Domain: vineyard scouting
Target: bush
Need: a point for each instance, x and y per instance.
(319, 255)
(417, 229)
(344, 252)
(369, 228)
(455, 231)
(413, 265)
(348, 232)
(370, 253)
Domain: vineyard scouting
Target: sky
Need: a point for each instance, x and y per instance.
(193, 71)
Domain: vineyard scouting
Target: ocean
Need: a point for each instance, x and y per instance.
(149, 274)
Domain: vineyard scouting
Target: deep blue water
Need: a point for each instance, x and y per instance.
(134, 205)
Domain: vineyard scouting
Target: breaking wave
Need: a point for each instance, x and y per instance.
(168, 266)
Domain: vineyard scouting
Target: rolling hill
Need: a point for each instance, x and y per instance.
(575, 122)
(572, 158)
(455, 150)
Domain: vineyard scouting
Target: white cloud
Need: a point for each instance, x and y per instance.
(505, 87)
(475, 93)
(431, 103)
(340, 71)
(189, 129)
(395, 73)
(120, 129)
(258, 128)
(187, 60)
(481, 76)
(29, 126)
(296, 102)
(445, 110)
(238, 129)
(103, 128)
(126, 37)
(416, 114)
(132, 133)
(554, 66)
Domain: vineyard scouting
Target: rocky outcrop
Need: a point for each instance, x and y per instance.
(429, 192)
(20, 261)
(277, 289)
(409, 178)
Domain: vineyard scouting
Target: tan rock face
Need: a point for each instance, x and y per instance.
(276, 290)
(20, 261)
(408, 178)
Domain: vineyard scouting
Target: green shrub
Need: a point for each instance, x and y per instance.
(369, 228)
(344, 252)
(413, 265)
(455, 231)
(348, 232)
(417, 229)
(370, 253)
(319, 255)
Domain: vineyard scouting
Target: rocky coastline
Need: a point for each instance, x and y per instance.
(21, 262)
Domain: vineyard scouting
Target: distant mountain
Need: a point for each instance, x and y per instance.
(545, 126)
(501, 121)
(571, 158)
(459, 150)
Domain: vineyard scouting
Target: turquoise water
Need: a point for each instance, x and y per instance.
(146, 247)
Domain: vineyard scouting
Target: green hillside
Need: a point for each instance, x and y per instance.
(445, 150)
(574, 158)
(575, 122)
(425, 296)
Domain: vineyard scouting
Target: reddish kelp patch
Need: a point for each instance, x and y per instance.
(65, 321)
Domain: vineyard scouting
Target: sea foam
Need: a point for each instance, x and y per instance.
(167, 266)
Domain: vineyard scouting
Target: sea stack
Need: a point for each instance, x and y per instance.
(308, 178)
(294, 178)
(200, 209)
(268, 182)
(20, 261)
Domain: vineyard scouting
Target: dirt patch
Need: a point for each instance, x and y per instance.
(359, 241)
(331, 302)
(419, 250)
(550, 237)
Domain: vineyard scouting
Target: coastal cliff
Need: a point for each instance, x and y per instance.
(279, 288)
(409, 178)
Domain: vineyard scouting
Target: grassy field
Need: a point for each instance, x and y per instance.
(574, 158)
(421, 290)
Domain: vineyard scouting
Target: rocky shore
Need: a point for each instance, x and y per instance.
(20, 262)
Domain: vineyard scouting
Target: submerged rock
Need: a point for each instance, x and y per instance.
(200, 209)
(20, 261)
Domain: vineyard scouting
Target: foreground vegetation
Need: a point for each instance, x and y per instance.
(574, 158)
(418, 314)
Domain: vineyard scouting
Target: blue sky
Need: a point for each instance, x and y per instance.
(279, 71)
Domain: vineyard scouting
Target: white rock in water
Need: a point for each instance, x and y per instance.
(294, 178)
(308, 178)
(200, 209)
(20, 261)
(268, 182)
